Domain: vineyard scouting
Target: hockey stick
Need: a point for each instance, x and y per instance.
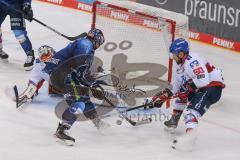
(102, 96)
(151, 103)
(84, 34)
(123, 115)
(19, 101)
(77, 96)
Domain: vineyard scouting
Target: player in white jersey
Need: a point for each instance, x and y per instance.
(37, 76)
(197, 82)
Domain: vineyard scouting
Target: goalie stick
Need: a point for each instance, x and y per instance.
(19, 101)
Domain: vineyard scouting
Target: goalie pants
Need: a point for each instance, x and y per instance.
(18, 27)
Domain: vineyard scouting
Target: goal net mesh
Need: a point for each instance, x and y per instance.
(137, 40)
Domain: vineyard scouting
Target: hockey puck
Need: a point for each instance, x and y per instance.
(175, 141)
(118, 122)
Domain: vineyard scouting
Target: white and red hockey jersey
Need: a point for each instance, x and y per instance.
(37, 76)
(199, 70)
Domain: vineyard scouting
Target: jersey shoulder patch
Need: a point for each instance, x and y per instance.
(37, 60)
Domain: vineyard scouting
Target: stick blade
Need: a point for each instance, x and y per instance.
(16, 95)
(146, 121)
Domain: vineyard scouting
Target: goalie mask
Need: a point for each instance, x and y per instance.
(45, 53)
(97, 36)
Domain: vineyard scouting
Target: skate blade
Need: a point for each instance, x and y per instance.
(28, 68)
(4, 60)
(64, 142)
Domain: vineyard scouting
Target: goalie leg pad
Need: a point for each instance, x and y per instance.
(30, 91)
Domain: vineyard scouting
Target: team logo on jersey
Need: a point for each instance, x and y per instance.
(194, 64)
(161, 2)
(53, 60)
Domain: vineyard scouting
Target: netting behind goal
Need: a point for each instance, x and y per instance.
(137, 38)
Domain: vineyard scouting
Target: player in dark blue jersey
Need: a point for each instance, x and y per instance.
(84, 46)
(18, 26)
(81, 47)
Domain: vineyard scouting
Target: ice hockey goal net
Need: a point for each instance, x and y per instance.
(139, 34)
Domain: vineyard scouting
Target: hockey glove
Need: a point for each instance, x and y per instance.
(189, 86)
(71, 78)
(148, 103)
(77, 76)
(161, 97)
(97, 90)
(99, 94)
(28, 12)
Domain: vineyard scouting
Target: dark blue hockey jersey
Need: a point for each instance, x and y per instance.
(79, 47)
(11, 2)
(7, 4)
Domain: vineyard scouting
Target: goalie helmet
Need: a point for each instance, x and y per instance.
(45, 53)
(179, 45)
(97, 36)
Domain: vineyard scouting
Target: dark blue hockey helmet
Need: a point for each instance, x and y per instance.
(179, 45)
(97, 36)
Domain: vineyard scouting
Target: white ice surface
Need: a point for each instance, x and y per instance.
(28, 133)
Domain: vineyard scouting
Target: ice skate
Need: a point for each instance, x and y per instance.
(28, 65)
(3, 56)
(173, 122)
(62, 135)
